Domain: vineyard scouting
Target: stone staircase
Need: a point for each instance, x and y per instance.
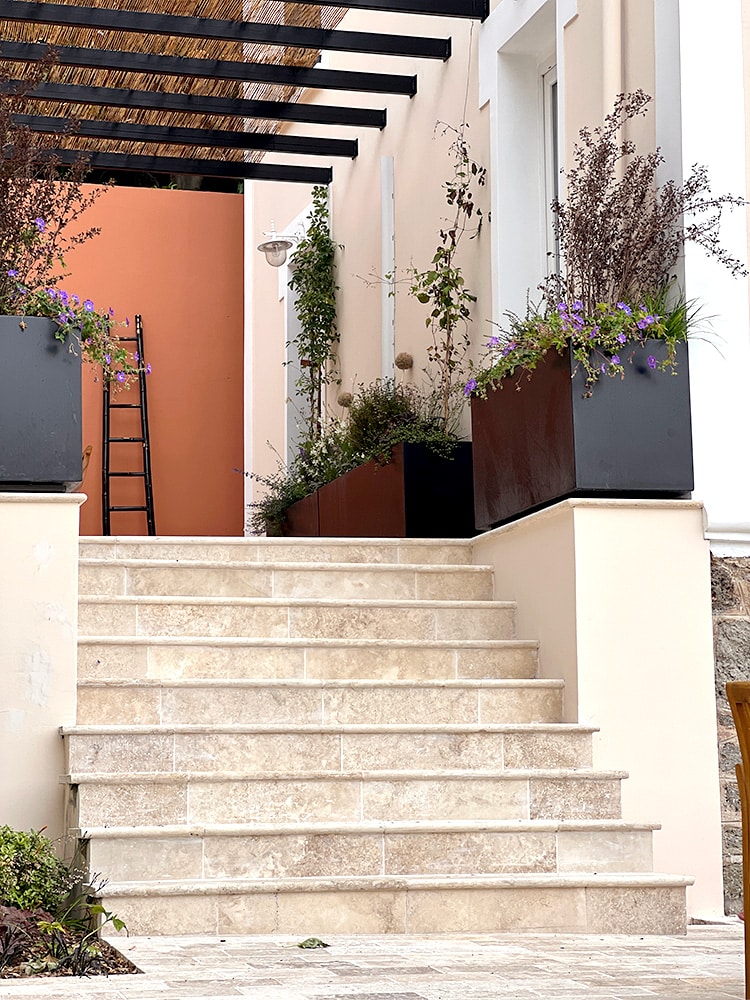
(316, 737)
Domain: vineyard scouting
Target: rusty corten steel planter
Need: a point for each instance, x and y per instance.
(545, 442)
(418, 494)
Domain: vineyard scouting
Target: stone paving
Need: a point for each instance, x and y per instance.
(707, 964)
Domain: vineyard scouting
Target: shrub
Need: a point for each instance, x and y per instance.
(31, 874)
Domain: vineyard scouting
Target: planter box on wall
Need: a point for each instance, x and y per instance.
(545, 441)
(40, 408)
(418, 494)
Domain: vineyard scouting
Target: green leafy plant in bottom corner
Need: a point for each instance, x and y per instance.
(47, 914)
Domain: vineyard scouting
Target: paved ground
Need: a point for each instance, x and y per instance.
(707, 964)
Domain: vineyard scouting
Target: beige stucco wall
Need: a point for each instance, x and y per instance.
(38, 623)
(421, 165)
(609, 50)
(618, 593)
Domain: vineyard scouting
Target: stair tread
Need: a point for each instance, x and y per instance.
(303, 642)
(312, 684)
(295, 602)
(171, 777)
(521, 728)
(164, 887)
(369, 826)
(302, 567)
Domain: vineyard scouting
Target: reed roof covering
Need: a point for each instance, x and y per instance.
(120, 50)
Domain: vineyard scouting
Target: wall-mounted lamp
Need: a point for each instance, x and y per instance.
(275, 246)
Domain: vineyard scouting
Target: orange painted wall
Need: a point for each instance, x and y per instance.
(175, 257)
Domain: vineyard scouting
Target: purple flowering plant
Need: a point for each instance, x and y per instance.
(621, 235)
(603, 342)
(40, 205)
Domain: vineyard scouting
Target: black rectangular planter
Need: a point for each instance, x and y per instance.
(538, 441)
(40, 408)
(418, 494)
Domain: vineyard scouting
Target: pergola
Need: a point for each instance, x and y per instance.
(205, 86)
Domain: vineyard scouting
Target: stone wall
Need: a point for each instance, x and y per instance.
(730, 591)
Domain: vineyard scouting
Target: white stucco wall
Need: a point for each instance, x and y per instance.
(618, 593)
(38, 652)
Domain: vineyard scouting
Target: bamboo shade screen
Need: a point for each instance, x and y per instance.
(261, 11)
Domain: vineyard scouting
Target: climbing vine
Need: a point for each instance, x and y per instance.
(314, 282)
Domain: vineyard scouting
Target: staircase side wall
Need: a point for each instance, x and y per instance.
(618, 593)
(38, 635)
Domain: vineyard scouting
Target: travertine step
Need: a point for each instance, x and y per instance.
(153, 798)
(296, 618)
(118, 749)
(574, 903)
(310, 702)
(139, 854)
(319, 736)
(315, 550)
(132, 577)
(172, 657)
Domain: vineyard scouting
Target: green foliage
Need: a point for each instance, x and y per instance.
(381, 416)
(441, 286)
(384, 414)
(31, 874)
(313, 280)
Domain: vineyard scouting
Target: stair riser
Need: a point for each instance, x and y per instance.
(372, 854)
(263, 753)
(279, 622)
(315, 706)
(431, 911)
(345, 800)
(246, 581)
(170, 662)
(251, 550)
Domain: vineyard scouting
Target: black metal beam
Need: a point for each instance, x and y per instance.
(204, 168)
(73, 15)
(214, 69)
(172, 135)
(201, 105)
(475, 10)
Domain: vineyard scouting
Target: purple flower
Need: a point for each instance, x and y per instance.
(127, 321)
(108, 358)
(63, 296)
(577, 305)
(604, 368)
(111, 312)
(651, 361)
(40, 224)
(641, 324)
(615, 359)
(493, 342)
(148, 369)
(468, 388)
(52, 292)
(621, 338)
(120, 376)
(137, 359)
(12, 273)
(88, 305)
(625, 308)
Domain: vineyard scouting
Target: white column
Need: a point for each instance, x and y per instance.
(38, 653)
(714, 133)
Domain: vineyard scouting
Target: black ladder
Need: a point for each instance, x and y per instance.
(144, 472)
